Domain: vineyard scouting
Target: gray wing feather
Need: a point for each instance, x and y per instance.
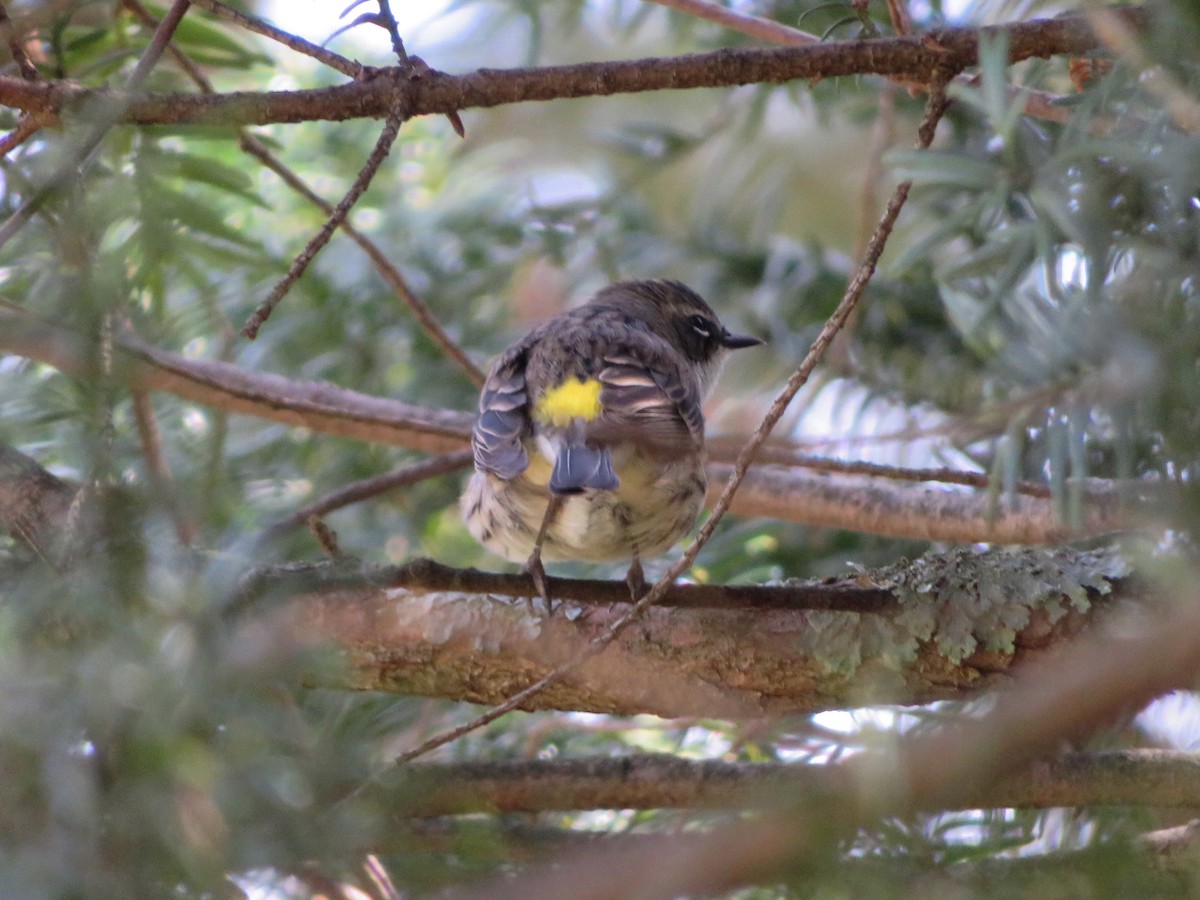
(647, 396)
(503, 421)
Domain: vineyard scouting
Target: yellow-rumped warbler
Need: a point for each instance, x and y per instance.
(589, 443)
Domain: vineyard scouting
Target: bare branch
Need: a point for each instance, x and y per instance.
(158, 468)
(723, 663)
(383, 146)
(754, 26)
(420, 310)
(316, 405)
(24, 64)
(254, 147)
(425, 576)
(193, 71)
(347, 67)
(364, 489)
(28, 125)
(876, 506)
(1060, 696)
(913, 57)
(1158, 778)
(856, 503)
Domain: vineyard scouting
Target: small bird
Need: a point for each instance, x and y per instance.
(589, 441)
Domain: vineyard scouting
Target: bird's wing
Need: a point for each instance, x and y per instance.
(648, 397)
(503, 419)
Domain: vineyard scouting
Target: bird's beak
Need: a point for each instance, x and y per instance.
(738, 341)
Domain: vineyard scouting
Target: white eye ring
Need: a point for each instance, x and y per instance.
(702, 327)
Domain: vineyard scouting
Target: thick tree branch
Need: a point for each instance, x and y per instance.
(935, 631)
(729, 663)
(1144, 778)
(1056, 698)
(913, 57)
(320, 406)
(878, 506)
(33, 503)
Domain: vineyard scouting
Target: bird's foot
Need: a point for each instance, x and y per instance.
(537, 574)
(635, 579)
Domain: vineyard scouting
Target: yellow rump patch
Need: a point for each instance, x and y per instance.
(573, 399)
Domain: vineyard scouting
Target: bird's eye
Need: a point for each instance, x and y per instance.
(703, 327)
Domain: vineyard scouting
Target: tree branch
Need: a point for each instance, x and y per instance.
(917, 57)
(728, 663)
(425, 576)
(1060, 697)
(862, 503)
(1146, 778)
(936, 630)
(320, 406)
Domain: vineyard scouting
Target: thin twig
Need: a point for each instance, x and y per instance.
(366, 488)
(254, 147)
(935, 108)
(392, 275)
(28, 70)
(1038, 104)
(159, 468)
(754, 26)
(192, 70)
(325, 536)
(425, 576)
(393, 29)
(335, 61)
(1161, 778)
(77, 159)
(377, 877)
(159, 41)
(900, 16)
(882, 134)
(414, 64)
(391, 130)
(27, 126)
(783, 456)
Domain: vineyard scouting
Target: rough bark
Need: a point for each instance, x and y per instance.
(727, 663)
(1148, 778)
(914, 58)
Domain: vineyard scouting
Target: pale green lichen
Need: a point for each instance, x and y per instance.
(961, 600)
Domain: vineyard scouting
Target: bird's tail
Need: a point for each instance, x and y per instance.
(579, 468)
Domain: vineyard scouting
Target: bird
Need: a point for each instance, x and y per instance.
(588, 443)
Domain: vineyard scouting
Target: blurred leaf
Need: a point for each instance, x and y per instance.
(944, 167)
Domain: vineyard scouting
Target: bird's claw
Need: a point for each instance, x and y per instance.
(537, 574)
(635, 579)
